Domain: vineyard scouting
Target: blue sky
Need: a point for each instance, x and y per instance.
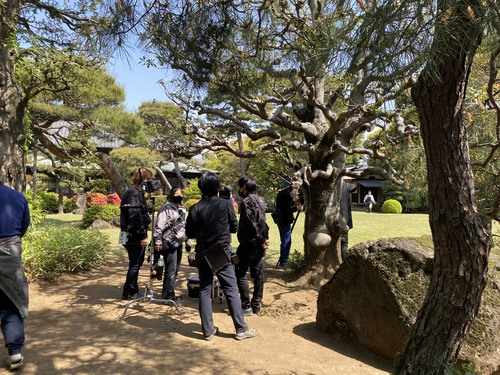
(140, 83)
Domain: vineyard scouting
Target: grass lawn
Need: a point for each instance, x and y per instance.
(366, 227)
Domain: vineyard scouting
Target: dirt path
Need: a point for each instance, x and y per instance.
(74, 328)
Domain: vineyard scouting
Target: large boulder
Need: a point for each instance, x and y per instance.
(115, 221)
(378, 290)
(101, 224)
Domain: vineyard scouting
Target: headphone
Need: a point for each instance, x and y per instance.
(140, 174)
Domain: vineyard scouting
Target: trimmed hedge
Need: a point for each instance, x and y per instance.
(106, 212)
(392, 206)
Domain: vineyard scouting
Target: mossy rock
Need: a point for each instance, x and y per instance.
(378, 290)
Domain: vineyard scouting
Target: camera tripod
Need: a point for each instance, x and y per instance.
(149, 291)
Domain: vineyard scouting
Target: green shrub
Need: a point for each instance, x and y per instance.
(47, 201)
(106, 212)
(189, 203)
(192, 191)
(49, 251)
(160, 200)
(36, 213)
(296, 262)
(464, 369)
(69, 204)
(391, 206)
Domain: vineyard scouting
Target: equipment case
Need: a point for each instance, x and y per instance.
(194, 288)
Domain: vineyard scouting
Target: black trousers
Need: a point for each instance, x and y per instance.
(251, 258)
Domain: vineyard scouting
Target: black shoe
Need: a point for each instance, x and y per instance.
(256, 310)
(176, 299)
(248, 312)
(136, 296)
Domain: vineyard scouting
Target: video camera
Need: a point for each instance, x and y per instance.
(224, 194)
(150, 186)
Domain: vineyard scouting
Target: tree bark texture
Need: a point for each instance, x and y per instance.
(113, 174)
(323, 227)
(12, 164)
(461, 236)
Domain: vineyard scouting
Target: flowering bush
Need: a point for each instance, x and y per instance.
(96, 199)
(113, 199)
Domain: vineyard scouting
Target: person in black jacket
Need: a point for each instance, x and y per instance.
(134, 220)
(253, 236)
(211, 221)
(286, 205)
(348, 187)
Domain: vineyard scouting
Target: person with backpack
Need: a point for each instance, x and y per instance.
(134, 222)
(169, 234)
(253, 238)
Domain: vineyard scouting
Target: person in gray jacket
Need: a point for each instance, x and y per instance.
(14, 221)
(169, 234)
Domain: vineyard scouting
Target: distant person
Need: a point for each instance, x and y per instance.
(169, 235)
(286, 205)
(369, 201)
(134, 220)
(231, 197)
(211, 221)
(345, 206)
(14, 221)
(253, 237)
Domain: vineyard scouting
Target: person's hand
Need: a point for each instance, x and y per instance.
(265, 244)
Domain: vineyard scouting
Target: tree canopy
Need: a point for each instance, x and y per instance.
(291, 76)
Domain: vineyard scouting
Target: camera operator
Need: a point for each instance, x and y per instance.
(169, 234)
(134, 220)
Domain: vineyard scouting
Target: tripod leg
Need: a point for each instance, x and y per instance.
(128, 304)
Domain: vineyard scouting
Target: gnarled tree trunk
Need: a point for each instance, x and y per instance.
(324, 226)
(461, 236)
(114, 176)
(12, 166)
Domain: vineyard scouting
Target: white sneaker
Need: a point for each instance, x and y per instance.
(248, 334)
(210, 337)
(15, 362)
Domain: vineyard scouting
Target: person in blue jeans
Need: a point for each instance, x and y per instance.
(287, 205)
(14, 221)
